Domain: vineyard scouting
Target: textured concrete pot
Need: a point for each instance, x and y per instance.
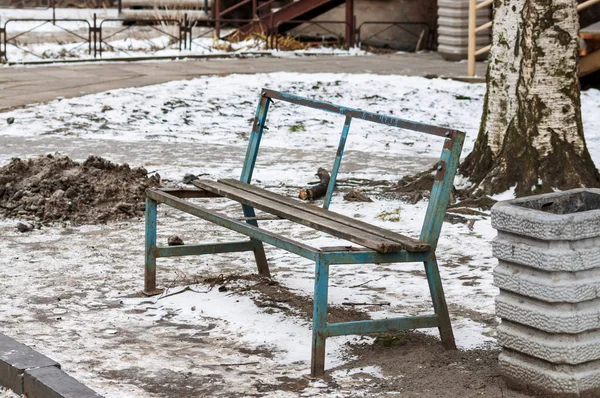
(453, 29)
(548, 251)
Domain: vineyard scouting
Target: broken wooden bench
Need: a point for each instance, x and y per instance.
(379, 245)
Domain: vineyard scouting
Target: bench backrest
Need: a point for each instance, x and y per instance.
(446, 168)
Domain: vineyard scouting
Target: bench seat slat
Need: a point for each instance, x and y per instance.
(408, 243)
(302, 217)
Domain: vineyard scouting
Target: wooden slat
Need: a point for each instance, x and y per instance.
(249, 230)
(407, 243)
(334, 228)
(186, 193)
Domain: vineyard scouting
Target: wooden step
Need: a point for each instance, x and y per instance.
(338, 225)
(589, 64)
(591, 32)
(303, 10)
(162, 14)
(168, 4)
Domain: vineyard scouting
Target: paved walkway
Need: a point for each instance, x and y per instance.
(20, 86)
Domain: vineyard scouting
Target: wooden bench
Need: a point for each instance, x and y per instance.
(378, 245)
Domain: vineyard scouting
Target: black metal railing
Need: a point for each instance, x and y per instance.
(187, 33)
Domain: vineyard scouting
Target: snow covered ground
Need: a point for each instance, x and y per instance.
(48, 41)
(71, 292)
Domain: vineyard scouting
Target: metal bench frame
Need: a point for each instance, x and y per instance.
(323, 258)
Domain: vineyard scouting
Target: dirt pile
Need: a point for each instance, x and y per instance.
(55, 188)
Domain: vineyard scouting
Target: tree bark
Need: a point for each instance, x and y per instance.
(531, 135)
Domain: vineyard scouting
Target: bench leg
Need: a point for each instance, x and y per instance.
(317, 368)
(150, 258)
(439, 303)
(261, 258)
(259, 249)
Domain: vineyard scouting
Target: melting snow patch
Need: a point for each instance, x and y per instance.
(373, 371)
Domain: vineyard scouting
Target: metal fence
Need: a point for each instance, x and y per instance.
(45, 4)
(63, 25)
(178, 34)
(422, 34)
(175, 40)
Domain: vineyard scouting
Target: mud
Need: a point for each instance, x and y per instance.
(274, 297)
(54, 188)
(415, 365)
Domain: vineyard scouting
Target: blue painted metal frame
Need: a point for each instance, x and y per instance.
(251, 155)
(337, 162)
(440, 195)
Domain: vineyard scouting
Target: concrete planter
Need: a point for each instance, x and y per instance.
(453, 29)
(548, 251)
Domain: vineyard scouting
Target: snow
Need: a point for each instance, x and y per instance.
(4, 393)
(218, 109)
(214, 110)
(506, 195)
(245, 323)
(101, 331)
(373, 371)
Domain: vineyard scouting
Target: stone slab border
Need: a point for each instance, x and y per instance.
(26, 371)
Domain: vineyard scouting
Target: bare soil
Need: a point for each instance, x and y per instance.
(416, 365)
(274, 297)
(55, 188)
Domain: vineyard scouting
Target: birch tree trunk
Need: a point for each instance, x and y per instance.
(531, 134)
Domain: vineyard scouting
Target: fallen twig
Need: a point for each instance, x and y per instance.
(237, 364)
(355, 304)
(185, 289)
(372, 280)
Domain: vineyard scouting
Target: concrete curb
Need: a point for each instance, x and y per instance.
(177, 57)
(26, 371)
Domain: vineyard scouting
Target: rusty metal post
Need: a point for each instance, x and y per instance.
(94, 34)
(3, 55)
(99, 38)
(183, 32)
(218, 18)
(349, 23)
(354, 24)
